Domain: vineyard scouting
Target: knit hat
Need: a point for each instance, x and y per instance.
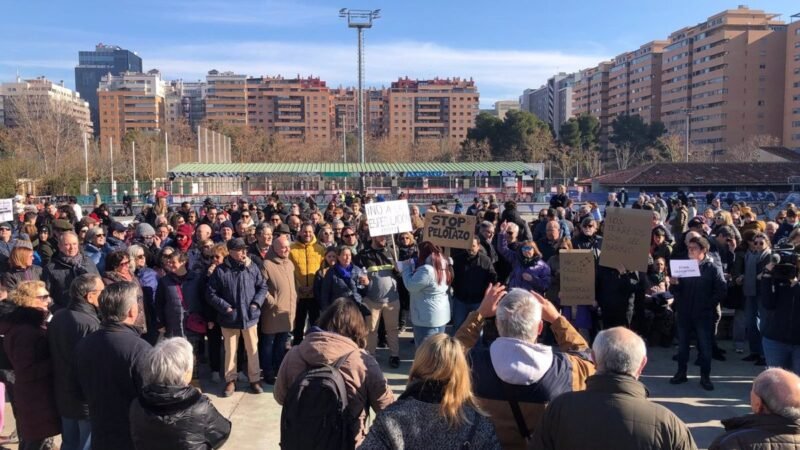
(23, 244)
(144, 230)
(227, 224)
(62, 225)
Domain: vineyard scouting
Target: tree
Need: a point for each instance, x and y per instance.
(749, 149)
(632, 139)
(521, 136)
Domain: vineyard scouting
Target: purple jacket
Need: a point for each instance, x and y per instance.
(533, 278)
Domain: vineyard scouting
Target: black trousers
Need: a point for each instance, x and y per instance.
(307, 308)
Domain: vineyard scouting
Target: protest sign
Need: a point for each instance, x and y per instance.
(684, 268)
(577, 277)
(6, 210)
(385, 218)
(450, 230)
(626, 239)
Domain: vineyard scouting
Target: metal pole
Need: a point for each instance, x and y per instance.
(344, 134)
(133, 149)
(205, 141)
(111, 153)
(361, 93)
(166, 151)
(688, 115)
(86, 159)
(198, 144)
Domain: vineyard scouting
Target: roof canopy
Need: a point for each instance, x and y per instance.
(701, 174)
(417, 169)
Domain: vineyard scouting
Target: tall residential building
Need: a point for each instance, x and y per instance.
(591, 95)
(424, 109)
(634, 83)
(728, 73)
(297, 109)
(39, 96)
(791, 124)
(559, 99)
(501, 107)
(344, 110)
(228, 98)
(186, 101)
(94, 65)
(131, 101)
(536, 101)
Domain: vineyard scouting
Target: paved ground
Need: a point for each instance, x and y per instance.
(256, 418)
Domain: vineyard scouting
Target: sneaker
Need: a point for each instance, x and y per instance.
(706, 383)
(256, 388)
(394, 362)
(679, 378)
(230, 388)
(752, 357)
(215, 377)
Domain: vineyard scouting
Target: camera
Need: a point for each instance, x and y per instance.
(786, 261)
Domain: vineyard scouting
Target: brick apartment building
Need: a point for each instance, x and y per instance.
(130, 101)
(791, 124)
(41, 94)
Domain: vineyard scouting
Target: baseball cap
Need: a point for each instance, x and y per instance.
(116, 226)
(5, 225)
(236, 244)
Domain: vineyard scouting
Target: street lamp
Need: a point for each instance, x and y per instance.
(360, 19)
(688, 111)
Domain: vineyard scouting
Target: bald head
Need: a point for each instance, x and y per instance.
(690, 235)
(203, 232)
(619, 350)
(776, 391)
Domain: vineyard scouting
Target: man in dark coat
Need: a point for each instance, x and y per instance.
(616, 291)
(511, 214)
(109, 366)
(613, 411)
(68, 264)
(775, 422)
(237, 291)
(696, 300)
(68, 326)
(472, 273)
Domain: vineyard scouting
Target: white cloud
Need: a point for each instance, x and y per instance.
(499, 74)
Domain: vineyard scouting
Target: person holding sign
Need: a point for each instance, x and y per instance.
(427, 282)
(528, 270)
(696, 300)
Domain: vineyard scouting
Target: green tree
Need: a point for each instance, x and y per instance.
(520, 136)
(633, 139)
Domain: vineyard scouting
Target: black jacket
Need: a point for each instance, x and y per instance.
(67, 327)
(109, 366)
(471, 276)
(58, 275)
(239, 287)
(698, 297)
(615, 292)
(781, 313)
(176, 418)
(176, 297)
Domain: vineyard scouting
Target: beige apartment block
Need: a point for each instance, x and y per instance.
(729, 74)
(345, 111)
(502, 107)
(38, 96)
(297, 110)
(431, 109)
(227, 98)
(791, 124)
(130, 101)
(591, 95)
(634, 83)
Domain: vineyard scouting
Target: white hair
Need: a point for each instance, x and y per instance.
(618, 350)
(519, 315)
(772, 388)
(514, 228)
(169, 362)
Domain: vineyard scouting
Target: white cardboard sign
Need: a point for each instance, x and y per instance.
(6, 209)
(684, 268)
(387, 218)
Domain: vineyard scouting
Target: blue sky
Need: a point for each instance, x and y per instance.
(505, 46)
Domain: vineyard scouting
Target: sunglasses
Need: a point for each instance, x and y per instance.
(509, 232)
(348, 235)
(245, 215)
(527, 248)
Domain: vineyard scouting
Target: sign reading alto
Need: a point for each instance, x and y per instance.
(450, 230)
(387, 218)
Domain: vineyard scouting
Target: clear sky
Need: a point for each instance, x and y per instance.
(505, 46)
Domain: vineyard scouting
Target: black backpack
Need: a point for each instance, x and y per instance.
(314, 414)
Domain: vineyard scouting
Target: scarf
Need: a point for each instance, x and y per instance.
(528, 262)
(344, 272)
(72, 260)
(428, 391)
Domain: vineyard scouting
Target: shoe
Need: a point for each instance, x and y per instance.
(752, 357)
(256, 388)
(761, 362)
(718, 355)
(230, 388)
(394, 362)
(269, 379)
(706, 383)
(679, 378)
(382, 344)
(215, 377)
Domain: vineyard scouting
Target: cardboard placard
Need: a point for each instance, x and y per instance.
(387, 218)
(6, 210)
(577, 277)
(626, 239)
(684, 268)
(450, 230)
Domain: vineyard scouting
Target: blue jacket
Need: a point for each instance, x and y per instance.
(239, 287)
(535, 277)
(430, 305)
(335, 286)
(97, 256)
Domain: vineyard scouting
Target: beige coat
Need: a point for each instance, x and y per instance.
(277, 314)
(362, 375)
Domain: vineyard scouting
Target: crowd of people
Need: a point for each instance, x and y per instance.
(107, 327)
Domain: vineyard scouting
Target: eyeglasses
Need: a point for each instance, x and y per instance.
(759, 243)
(44, 297)
(98, 234)
(509, 232)
(527, 248)
(327, 233)
(139, 257)
(348, 235)
(246, 216)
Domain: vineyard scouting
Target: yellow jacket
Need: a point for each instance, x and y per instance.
(307, 259)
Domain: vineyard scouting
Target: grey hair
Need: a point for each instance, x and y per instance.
(65, 234)
(336, 222)
(616, 351)
(485, 225)
(92, 233)
(513, 227)
(117, 299)
(168, 362)
(771, 387)
(519, 315)
(83, 285)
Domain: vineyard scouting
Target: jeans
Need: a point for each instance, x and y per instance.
(272, 349)
(306, 308)
(753, 334)
(739, 329)
(76, 434)
(703, 328)
(779, 354)
(460, 312)
(422, 333)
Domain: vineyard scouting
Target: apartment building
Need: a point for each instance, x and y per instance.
(40, 96)
(591, 91)
(430, 109)
(297, 109)
(559, 99)
(131, 101)
(791, 124)
(634, 83)
(502, 107)
(345, 111)
(186, 101)
(227, 98)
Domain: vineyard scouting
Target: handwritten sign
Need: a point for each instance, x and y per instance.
(577, 277)
(385, 218)
(6, 210)
(684, 268)
(626, 239)
(450, 230)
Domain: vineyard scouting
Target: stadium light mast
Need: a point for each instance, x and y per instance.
(360, 19)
